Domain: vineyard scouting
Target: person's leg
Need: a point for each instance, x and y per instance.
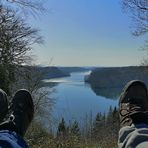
(133, 112)
(133, 136)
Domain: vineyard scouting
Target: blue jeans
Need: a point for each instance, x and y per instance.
(10, 139)
(135, 136)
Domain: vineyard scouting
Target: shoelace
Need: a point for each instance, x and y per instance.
(129, 110)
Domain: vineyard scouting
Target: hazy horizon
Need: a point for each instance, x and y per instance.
(42, 65)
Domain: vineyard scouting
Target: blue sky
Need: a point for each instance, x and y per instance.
(86, 33)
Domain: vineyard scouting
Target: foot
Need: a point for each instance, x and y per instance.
(133, 104)
(3, 105)
(21, 113)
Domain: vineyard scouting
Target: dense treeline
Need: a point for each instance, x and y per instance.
(116, 77)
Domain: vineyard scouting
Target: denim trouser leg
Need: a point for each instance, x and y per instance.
(133, 136)
(9, 139)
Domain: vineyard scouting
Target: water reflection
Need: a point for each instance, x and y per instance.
(107, 92)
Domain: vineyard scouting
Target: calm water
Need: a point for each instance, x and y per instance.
(75, 99)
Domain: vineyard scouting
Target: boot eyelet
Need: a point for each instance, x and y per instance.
(11, 117)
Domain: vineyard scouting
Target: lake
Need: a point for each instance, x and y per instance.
(75, 99)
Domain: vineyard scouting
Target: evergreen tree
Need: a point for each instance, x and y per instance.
(62, 130)
(109, 119)
(75, 130)
(115, 121)
(97, 126)
(112, 123)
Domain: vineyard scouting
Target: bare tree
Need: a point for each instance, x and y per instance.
(25, 6)
(16, 40)
(31, 78)
(139, 13)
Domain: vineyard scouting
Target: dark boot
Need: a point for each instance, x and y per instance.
(21, 113)
(133, 104)
(3, 105)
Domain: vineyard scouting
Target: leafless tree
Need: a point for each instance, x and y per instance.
(31, 78)
(25, 6)
(16, 40)
(139, 12)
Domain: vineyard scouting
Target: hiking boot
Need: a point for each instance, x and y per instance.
(3, 105)
(22, 109)
(133, 104)
(21, 113)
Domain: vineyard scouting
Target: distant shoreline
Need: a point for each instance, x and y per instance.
(116, 76)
